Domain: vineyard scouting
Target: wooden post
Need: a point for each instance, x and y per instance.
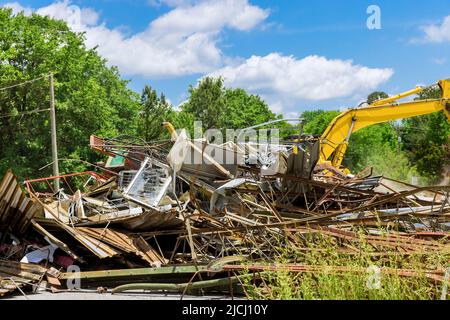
(53, 133)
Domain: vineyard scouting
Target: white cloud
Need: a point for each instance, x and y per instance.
(181, 42)
(437, 33)
(184, 41)
(170, 3)
(209, 17)
(17, 8)
(312, 78)
(79, 19)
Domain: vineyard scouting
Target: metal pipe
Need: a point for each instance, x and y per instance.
(397, 97)
(180, 286)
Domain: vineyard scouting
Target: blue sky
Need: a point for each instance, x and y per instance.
(297, 55)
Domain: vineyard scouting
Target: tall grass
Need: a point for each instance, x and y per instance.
(326, 284)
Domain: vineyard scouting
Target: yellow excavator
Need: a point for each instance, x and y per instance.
(334, 141)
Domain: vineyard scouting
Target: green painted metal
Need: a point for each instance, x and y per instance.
(116, 161)
(180, 286)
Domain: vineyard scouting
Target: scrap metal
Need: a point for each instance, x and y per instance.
(153, 220)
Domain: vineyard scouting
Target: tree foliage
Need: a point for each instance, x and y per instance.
(318, 120)
(426, 140)
(244, 110)
(377, 95)
(219, 107)
(369, 143)
(153, 111)
(90, 96)
(206, 102)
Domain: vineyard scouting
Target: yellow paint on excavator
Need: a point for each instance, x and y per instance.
(334, 140)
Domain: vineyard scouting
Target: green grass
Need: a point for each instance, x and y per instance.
(328, 285)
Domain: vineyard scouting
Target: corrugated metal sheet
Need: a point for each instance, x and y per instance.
(16, 209)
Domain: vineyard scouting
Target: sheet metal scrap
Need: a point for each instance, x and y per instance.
(152, 207)
(99, 205)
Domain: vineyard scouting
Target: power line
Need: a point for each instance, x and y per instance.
(23, 83)
(23, 113)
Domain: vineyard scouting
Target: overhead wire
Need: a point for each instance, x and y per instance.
(11, 115)
(24, 112)
(23, 83)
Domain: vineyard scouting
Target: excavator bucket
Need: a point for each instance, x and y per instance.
(445, 87)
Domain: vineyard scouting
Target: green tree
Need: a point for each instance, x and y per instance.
(368, 143)
(153, 111)
(387, 162)
(243, 110)
(90, 96)
(224, 108)
(426, 140)
(318, 120)
(377, 95)
(182, 120)
(206, 102)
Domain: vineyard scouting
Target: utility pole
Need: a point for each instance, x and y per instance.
(53, 133)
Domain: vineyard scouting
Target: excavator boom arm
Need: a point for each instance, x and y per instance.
(336, 136)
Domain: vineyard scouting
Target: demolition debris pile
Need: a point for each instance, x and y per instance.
(153, 219)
